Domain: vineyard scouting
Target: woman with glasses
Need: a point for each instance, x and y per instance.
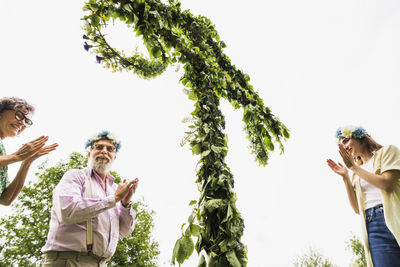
(15, 117)
(373, 190)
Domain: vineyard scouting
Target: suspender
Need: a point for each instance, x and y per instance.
(89, 230)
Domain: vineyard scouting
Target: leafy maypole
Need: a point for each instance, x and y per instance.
(172, 35)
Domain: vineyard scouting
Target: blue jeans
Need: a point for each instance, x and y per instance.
(385, 250)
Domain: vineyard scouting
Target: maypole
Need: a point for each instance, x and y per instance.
(172, 35)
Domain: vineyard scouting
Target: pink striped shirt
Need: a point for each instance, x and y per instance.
(71, 208)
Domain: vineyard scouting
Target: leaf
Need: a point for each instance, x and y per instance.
(196, 149)
(115, 14)
(221, 180)
(217, 149)
(206, 128)
(213, 261)
(192, 95)
(155, 13)
(233, 260)
(222, 245)
(202, 262)
(213, 204)
(186, 247)
(229, 214)
(95, 20)
(216, 261)
(160, 23)
(127, 7)
(235, 104)
(285, 133)
(205, 153)
(135, 19)
(190, 219)
(228, 78)
(188, 232)
(181, 254)
(268, 143)
(175, 251)
(192, 202)
(156, 51)
(195, 230)
(223, 83)
(184, 81)
(248, 114)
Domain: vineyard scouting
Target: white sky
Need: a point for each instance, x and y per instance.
(317, 64)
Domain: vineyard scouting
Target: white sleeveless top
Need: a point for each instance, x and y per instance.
(372, 194)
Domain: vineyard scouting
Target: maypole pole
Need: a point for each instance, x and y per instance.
(172, 35)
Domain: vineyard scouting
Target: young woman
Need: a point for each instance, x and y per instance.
(15, 117)
(373, 190)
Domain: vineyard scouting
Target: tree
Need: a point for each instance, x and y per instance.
(356, 246)
(313, 258)
(24, 232)
(172, 35)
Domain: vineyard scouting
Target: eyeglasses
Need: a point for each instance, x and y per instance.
(101, 147)
(21, 117)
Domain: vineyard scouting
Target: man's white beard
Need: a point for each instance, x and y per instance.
(99, 165)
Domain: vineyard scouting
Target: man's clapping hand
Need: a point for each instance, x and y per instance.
(125, 190)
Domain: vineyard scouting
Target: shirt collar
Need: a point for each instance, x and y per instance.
(109, 178)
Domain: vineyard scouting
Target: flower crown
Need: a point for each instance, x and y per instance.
(350, 131)
(104, 135)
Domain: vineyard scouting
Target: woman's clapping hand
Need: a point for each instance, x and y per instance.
(338, 168)
(34, 149)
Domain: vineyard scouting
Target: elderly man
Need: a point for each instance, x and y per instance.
(90, 212)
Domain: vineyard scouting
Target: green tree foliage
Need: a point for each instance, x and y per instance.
(172, 35)
(313, 258)
(357, 248)
(24, 232)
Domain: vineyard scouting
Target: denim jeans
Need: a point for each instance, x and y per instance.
(385, 250)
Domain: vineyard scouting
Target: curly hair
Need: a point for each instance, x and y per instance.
(15, 103)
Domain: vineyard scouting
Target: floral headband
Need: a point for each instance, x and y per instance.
(104, 135)
(350, 131)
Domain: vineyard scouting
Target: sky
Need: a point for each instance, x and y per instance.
(317, 64)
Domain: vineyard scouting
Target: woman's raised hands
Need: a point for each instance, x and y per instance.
(34, 149)
(337, 168)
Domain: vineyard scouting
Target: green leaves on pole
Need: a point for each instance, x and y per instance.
(202, 262)
(184, 247)
(172, 35)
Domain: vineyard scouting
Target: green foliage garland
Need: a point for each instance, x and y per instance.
(24, 232)
(173, 35)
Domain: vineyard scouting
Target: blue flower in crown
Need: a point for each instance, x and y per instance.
(98, 59)
(104, 135)
(351, 132)
(86, 46)
(359, 133)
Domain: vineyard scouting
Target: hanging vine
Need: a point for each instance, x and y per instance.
(172, 35)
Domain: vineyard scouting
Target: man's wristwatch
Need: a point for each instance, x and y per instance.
(128, 205)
